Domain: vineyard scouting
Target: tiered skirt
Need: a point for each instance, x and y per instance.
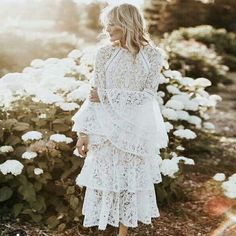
(119, 186)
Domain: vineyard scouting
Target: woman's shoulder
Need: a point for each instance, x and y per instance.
(153, 50)
(155, 54)
(106, 50)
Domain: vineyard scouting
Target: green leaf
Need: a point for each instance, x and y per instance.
(161, 193)
(5, 193)
(21, 126)
(61, 127)
(61, 227)
(36, 217)
(9, 123)
(52, 222)
(74, 201)
(12, 140)
(39, 205)
(37, 186)
(70, 190)
(28, 192)
(16, 209)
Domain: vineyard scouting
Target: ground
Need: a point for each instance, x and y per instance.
(205, 211)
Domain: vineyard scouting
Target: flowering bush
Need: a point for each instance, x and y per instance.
(37, 156)
(224, 42)
(192, 53)
(228, 186)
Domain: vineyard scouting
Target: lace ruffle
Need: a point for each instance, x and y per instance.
(101, 208)
(132, 121)
(108, 168)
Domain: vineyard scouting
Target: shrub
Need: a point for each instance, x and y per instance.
(201, 52)
(222, 41)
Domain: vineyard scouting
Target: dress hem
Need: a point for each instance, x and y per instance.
(115, 225)
(119, 190)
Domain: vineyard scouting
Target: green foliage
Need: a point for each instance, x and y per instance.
(52, 197)
(224, 42)
(201, 51)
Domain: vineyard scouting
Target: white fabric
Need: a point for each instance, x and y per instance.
(126, 131)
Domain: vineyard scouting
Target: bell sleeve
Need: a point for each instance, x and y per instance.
(85, 119)
(131, 119)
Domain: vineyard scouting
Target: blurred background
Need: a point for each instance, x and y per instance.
(41, 28)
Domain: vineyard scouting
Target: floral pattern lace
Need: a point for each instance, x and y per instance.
(126, 131)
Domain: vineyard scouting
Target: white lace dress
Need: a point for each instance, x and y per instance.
(126, 131)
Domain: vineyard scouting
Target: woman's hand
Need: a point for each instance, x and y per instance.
(93, 97)
(82, 145)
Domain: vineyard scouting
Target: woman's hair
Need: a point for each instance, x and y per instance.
(131, 21)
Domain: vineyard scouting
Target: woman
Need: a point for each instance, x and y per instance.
(120, 126)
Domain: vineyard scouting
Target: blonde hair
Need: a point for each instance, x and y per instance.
(132, 23)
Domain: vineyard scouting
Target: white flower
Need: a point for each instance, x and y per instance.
(42, 116)
(213, 100)
(180, 148)
(219, 177)
(60, 138)
(75, 54)
(187, 161)
(82, 69)
(66, 106)
(187, 81)
(172, 89)
(169, 73)
(76, 152)
(170, 114)
(6, 148)
(169, 167)
(48, 97)
(191, 105)
(183, 97)
(168, 126)
(176, 75)
(81, 93)
(177, 105)
(229, 189)
(37, 63)
(29, 155)
(38, 171)
(31, 135)
(232, 178)
(208, 125)
(182, 115)
(185, 133)
(195, 120)
(173, 74)
(204, 115)
(202, 82)
(11, 166)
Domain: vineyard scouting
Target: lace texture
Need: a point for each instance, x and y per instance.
(102, 208)
(126, 131)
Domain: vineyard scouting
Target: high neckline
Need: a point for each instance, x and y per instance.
(127, 50)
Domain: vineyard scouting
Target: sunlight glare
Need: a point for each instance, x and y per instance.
(135, 2)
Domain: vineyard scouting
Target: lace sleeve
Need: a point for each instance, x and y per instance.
(156, 61)
(103, 55)
(85, 119)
